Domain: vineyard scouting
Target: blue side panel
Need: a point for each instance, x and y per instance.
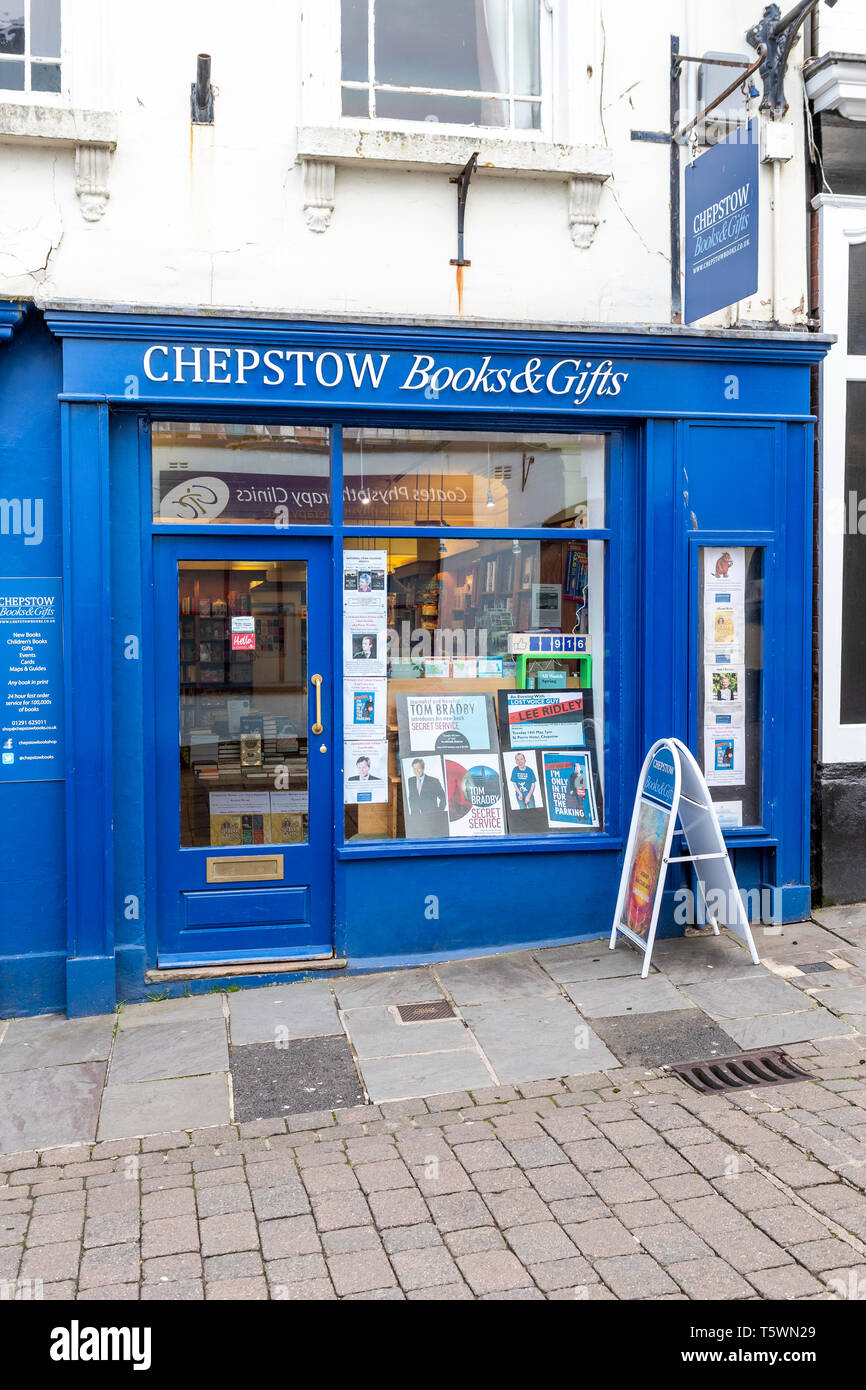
(403, 911)
(33, 882)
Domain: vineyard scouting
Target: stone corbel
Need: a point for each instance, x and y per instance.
(584, 195)
(92, 165)
(320, 177)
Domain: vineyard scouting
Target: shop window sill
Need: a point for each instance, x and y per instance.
(507, 844)
(322, 149)
(91, 134)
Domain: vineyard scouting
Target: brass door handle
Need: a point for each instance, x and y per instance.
(317, 682)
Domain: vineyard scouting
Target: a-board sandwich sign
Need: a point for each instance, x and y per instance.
(671, 788)
(721, 225)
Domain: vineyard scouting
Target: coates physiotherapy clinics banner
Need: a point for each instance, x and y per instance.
(722, 224)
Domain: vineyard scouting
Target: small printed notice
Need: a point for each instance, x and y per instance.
(725, 757)
(724, 627)
(365, 772)
(724, 704)
(729, 813)
(365, 644)
(533, 720)
(724, 572)
(364, 707)
(31, 677)
(365, 581)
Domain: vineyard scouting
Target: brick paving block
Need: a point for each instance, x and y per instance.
(126, 1197)
(294, 1235)
(657, 1161)
(331, 1178)
(499, 1180)
(112, 1228)
(411, 1237)
(683, 1139)
(559, 1182)
(404, 1206)
(422, 1146)
(818, 1255)
(177, 1201)
(751, 1192)
(789, 1225)
(109, 1293)
(355, 1238)
(316, 1155)
(621, 1185)
(166, 1184)
(595, 1155)
(517, 1207)
(221, 1235)
(493, 1271)
(271, 1202)
(681, 1187)
(450, 1100)
(539, 1241)
(237, 1289)
(211, 1162)
(335, 1211)
(517, 1127)
(257, 1129)
(44, 1206)
(717, 1160)
(223, 1201)
(593, 1293)
(527, 1295)
(484, 1156)
(61, 1290)
(272, 1174)
(572, 1210)
(313, 1119)
(371, 1149)
(671, 1242)
(438, 1178)
(530, 1089)
(449, 1293)
(427, 1268)
(790, 1281)
(22, 1177)
(60, 1157)
(219, 1177)
(394, 1295)
(384, 1176)
(535, 1153)
(635, 1214)
(491, 1095)
(634, 1276)
(398, 1109)
(472, 1241)
(108, 1264)
(459, 1211)
(181, 1291)
(242, 1264)
(361, 1271)
(28, 1159)
(563, 1274)
(804, 1172)
(846, 1282)
(166, 1269)
(626, 1134)
(10, 1259)
(172, 1235)
(603, 1237)
(569, 1126)
(296, 1269)
(173, 1139)
(13, 1226)
(51, 1263)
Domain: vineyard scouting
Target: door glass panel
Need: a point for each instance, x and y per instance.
(242, 656)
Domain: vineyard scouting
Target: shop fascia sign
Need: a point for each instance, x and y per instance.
(415, 374)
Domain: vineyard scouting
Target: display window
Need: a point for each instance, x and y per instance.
(473, 687)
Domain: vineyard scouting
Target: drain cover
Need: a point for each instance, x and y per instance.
(815, 966)
(423, 1013)
(767, 1067)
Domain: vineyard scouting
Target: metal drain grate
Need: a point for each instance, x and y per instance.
(424, 1013)
(767, 1067)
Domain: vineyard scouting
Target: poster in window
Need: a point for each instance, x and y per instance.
(365, 581)
(439, 723)
(724, 572)
(364, 704)
(569, 792)
(365, 772)
(474, 786)
(365, 645)
(724, 701)
(521, 780)
(534, 719)
(425, 803)
(546, 606)
(725, 757)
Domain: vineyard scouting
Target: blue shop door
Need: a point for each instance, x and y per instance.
(244, 750)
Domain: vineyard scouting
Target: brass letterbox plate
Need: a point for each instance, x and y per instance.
(234, 868)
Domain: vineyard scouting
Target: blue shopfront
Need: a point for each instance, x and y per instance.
(365, 632)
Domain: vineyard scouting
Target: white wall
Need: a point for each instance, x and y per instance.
(213, 216)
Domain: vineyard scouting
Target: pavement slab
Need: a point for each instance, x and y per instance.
(148, 1107)
(533, 1039)
(492, 978)
(281, 1012)
(53, 1040)
(630, 995)
(50, 1105)
(306, 1074)
(193, 1047)
(395, 986)
(747, 998)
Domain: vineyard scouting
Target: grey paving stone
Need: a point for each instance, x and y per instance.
(486, 1155)
(535, 1153)
(282, 1012)
(112, 1228)
(657, 1161)
(51, 1263)
(145, 1107)
(400, 1207)
(290, 1199)
(788, 1282)
(636, 1215)
(237, 1289)
(49, 1105)
(517, 1207)
(241, 1264)
(313, 1290)
(400, 1078)
(472, 1241)
(306, 1074)
(622, 1185)
(589, 961)
(593, 1155)
(378, 1032)
(748, 998)
(355, 1238)
(387, 987)
(626, 995)
(222, 1201)
(177, 1201)
(168, 1268)
(161, 1050)
(52, 1040)
(459, 1211)
(559, 1182)
(829, 1253)
(197, 1006)
(491, 978)
(426, 1268)
(608, 1236)
(361, 1271)
(552, 1275)
(533, 1039)
(634, 1276)
(693, 959)
(47, 1230)
(293, 1235)
(411, 1237)
(110, 1264)
(789, 1225)
(499, 1180)
(172, 1235)
(493, 1271)
(336, 1211)
(774, 1030)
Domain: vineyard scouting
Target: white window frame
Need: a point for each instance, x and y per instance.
(842, 224)
(28, 96)
(541, 132)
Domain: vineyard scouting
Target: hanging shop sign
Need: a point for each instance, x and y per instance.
(31, 680)
(721, 231)
(671, 787)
